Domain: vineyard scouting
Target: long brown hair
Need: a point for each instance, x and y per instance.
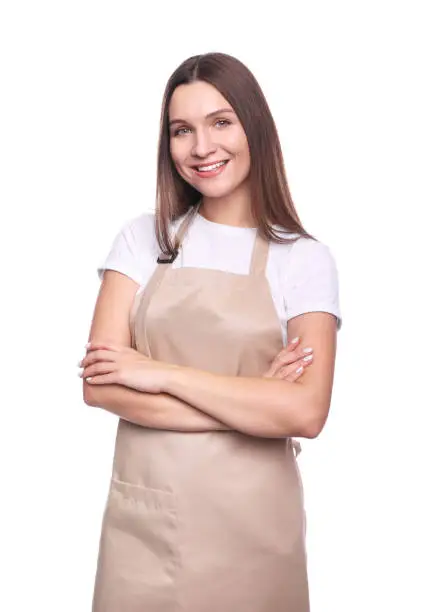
(272, 202)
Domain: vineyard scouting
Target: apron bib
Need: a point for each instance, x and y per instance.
(212, 521)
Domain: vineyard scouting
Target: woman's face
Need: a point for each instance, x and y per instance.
(205, 130)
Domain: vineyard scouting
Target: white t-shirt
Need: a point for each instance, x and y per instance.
(302, 276)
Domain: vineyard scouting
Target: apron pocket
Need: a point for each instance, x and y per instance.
(138, 554)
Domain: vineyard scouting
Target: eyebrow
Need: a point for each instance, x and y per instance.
(216, 112)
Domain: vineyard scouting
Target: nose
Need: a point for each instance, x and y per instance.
(203, 144)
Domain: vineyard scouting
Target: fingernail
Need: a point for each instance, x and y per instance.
(80, 372)
(79, 363)
(299, 370)
(307, 350)
(88, 345)
(308, 358)
(294, 340)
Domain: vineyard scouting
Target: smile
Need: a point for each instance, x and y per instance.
(211, 169)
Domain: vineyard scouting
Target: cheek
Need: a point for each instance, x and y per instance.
(174, 153)
(178, 152)
(243, 153)
(238, 144)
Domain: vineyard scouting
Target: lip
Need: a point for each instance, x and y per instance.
(196, 166)
(209, 174)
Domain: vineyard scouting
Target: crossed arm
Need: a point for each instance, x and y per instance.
(194, 400)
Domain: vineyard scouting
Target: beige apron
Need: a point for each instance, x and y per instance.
(212, 521)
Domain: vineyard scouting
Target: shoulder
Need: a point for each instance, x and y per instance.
(308, 253)
(133, 248)
(309, 276)
(139, 230)
(302, 255)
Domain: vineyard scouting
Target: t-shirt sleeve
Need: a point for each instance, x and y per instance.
(132, 250)
(311, 280)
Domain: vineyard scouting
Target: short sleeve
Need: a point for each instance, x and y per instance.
(311, 280)
(131, 250)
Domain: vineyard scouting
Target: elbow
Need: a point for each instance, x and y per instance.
(311, 411)
(315, 421)
(311, 430)
(88, 394)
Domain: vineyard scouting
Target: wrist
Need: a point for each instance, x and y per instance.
(173, 378)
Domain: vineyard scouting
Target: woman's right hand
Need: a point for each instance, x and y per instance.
(290, 363)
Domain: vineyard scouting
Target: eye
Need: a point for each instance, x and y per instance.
(179, 131)
(225, 122)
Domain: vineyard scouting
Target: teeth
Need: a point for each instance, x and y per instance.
(212, 167)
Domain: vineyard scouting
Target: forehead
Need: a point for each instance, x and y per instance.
(194, 101)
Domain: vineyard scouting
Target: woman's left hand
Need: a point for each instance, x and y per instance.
(107, 364)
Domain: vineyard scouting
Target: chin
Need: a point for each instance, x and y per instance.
(214, 192)
(212, 188)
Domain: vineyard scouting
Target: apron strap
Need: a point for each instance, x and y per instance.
(296, 446)
(180, 233)
(141, 301)
(259, 256)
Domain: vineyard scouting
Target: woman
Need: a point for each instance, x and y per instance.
(188, 346)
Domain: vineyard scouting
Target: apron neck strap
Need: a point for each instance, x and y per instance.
(161, 269)
(164, 264)
(259, 257)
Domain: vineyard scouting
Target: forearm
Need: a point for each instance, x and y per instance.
(157, 411)
(265, 407)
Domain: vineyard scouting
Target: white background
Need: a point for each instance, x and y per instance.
(348, 84)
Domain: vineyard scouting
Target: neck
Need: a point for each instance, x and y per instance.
(233, 209)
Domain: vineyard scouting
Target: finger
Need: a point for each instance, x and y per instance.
(280, 359)
(95, 345)
(101, 367)
(290, 376)
(293, 356)
(98, 355)
(292, 368)
(104, 379)
(292, 344)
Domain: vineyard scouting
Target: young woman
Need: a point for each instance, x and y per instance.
(189, 347)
